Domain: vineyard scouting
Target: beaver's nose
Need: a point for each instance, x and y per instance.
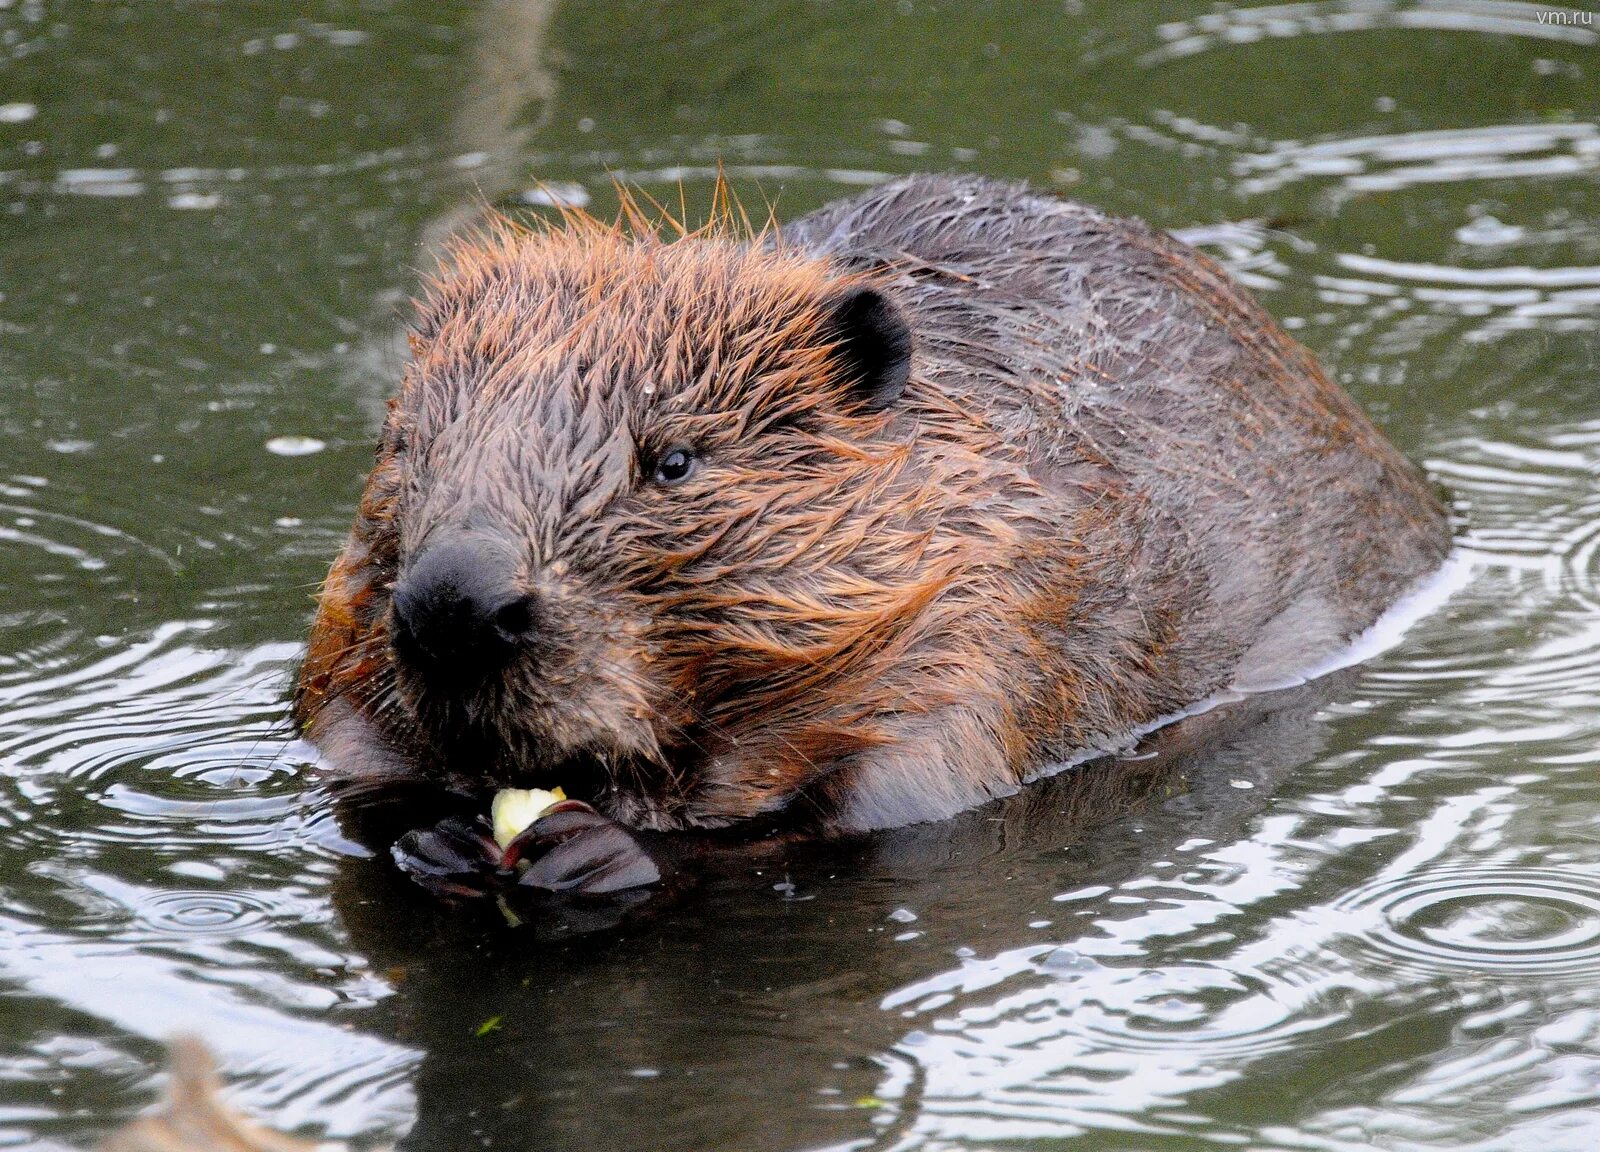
(458, 609)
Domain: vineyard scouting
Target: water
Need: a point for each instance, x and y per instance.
(1367, 915)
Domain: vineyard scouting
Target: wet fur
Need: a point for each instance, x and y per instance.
(1111, 487)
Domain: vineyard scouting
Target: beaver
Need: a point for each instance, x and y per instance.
(851, 523)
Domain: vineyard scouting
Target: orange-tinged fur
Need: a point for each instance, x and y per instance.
(1066, 528)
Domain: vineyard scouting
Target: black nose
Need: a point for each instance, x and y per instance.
(457, 609)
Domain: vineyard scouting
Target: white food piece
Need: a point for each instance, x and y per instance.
(514, 809)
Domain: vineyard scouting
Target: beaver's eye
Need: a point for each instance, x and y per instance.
(674, 466)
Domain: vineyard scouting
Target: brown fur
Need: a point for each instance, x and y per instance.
(1111, 488)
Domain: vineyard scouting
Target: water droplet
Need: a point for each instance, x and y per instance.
(1488, 232)
(1067, 960)
(556, 195)
(295, 445)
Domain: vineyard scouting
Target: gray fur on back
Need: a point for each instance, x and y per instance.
(1124, 364)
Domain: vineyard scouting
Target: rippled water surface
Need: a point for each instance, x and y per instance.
(1366, 917)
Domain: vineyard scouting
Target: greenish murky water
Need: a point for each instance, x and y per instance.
(1368, 918)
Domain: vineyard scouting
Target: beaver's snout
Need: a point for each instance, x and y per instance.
(457, 608)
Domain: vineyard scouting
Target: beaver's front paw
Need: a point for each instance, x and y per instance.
(456, 858)
(570, 849)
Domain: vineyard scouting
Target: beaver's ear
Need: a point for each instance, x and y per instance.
(874, 341)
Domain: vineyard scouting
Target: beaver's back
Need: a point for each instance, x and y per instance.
(1128, 370)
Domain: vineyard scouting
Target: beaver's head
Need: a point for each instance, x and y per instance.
(647, 521)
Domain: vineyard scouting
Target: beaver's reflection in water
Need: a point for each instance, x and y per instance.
(758, 971)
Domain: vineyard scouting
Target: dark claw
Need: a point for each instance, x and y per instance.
(574, 849)
(560, 822)
(454, 858)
